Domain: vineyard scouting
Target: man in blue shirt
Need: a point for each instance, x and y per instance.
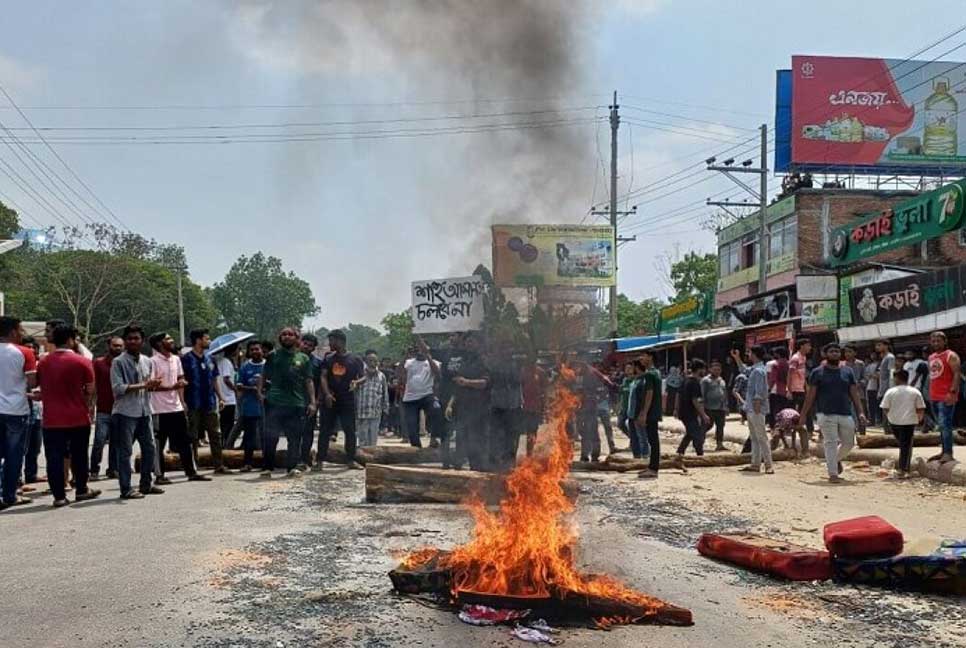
(250, 405)
(201, 397)
(756, 408)
(834, 391)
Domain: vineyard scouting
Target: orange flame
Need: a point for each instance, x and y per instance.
(527, 548)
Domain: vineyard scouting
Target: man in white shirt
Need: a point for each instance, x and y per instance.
(225, 384)
(418, 377)
(903, 406)
(18, 374)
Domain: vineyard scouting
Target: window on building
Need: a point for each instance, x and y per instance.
(783, 237)
(729, 258)
(749, 250)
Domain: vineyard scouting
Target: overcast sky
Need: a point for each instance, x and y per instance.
(359, 213)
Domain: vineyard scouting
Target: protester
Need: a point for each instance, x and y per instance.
(372, 403)
(715, 397)
(740, 384)
(49, 327)
(787, 427)
(18, 374)
(250, 404)
(833, 391)
(872, 388)
(167, 404)
(506, 408)
(903, 406)
(66, 381)
(648, 414)
(672, 384)
(308, 344)
(104, 427)
(468, 405)
(944, 383)
(534, 381)
(858, 370)
(756, 407)
(625, 421)
(132, 382)
(692, 413)
(225, 386)
(777, 373)
(418, 376)
(603, 411)
(587, 384)
(342, 373)
(35, 430)
(918, 370)
(887, 364)
(201, 396)
(798, 367)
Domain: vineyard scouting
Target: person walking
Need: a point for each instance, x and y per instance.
(715, 396)
(648, 414)
(104, 430)
(251, 407)
(418, 377)
(167, 404)
(132, 381)
(904, 407)
(289, 398)
(372, 403)
(342, 374)
(833, 391)
(308, 344)
(18, 375)
(797, 383)
(66, 381)
(691, 412)
(756, 407)
(887, 365)
(201, 397)
(944, 379)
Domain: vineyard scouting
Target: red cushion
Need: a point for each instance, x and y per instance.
(773, 557)
(864, 537)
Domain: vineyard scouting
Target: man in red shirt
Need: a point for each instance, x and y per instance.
(943, 391)
(66, 381)
(534, 382)
(103, 425)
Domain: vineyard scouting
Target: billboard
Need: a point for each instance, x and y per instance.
(553, 255)
(448, 305)
(873, 115)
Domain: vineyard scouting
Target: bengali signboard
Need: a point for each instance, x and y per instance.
(875, 115)
(566, 295)
(819, 315)
(691, 311)
(553, 255)
(770, 335)
(909, 297)
(912, 221)
(448, 305)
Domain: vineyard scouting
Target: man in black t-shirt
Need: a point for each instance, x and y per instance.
(465, 390)
(342, 372)
(691, 412)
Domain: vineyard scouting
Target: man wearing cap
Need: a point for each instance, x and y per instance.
(342, 373)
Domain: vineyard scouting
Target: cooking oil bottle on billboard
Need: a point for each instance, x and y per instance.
(939, 136)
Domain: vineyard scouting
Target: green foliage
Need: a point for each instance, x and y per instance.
(257, 295)
(399, 334)
(637, 318)
(695, 274)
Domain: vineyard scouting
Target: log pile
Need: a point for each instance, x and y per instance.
(872, 441)
(617, 463)
(425, 485)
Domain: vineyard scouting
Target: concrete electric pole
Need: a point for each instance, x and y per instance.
(615, 121)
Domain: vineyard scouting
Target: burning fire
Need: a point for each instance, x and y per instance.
(527, 548)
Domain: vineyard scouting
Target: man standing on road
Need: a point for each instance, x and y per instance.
(417, 378)
(625, 420)
(225, 384)
(715, 395)
(506, 408)
(18, 374)
(201, 396)
(372, 403)
(756, 406)
(797, 375)
(691, 412)
(308, 344)
(834, 391)
(887, 364)
(858, 370)
(944, 377)
(167, 404)
(290, 397)
(342, 374)
(66, 381)
(904, 406)
(649, 414)
(918, 370)
(104, 432)
(250, 402)
(132, 382)
(468, 405)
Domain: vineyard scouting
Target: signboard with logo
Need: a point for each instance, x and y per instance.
(448, 305)
(875, 115)
(819, 315)
(553, 255)
(908, 297)
(769, 308)
(691, 311)
(912, 221)
(770, 335)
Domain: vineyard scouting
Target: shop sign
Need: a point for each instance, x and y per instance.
(782, 263)
(691, 311)
(739, 278)
(819, 315)
(770, 308)
(912, 221)
(815, 287)
(909, 297)
(770, 335)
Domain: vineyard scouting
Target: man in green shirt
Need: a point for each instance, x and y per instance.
(649, 413)
(289, 399)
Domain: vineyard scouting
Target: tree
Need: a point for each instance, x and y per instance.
(257, 295)
(637, 318)
(9, 225)
(695, 274)
(399, 333)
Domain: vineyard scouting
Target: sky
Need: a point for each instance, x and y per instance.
(383, 184)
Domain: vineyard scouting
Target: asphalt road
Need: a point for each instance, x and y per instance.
(241, 562)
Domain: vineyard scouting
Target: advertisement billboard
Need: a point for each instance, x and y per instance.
(875, 115)
(448, 305)
(553, 255)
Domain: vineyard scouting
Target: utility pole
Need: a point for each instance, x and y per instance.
(761, 196)
(615, 121)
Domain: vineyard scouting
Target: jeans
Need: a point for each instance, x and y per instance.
(13, 438)
(718, 418)
(760, 448)
(875, 414)
(838, 434)
(308, 436)
(226, 421)
(282, 419)
(173, 428)
(649, 436)
(694, 432)
(945, 415)
(589, 435)
(343, 413)
(604, 417)
(640, 444)
(104, 434)
(58, 443)
(129, 429)
(368, 431)
(200, 421)
(904, 435)
(798, 400)
(626, 426)
(35, 438)
(505, 438)
(250, 431)
(472, 438)
(411, 410)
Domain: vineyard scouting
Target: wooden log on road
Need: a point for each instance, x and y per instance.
(412, 484)
(386, 454)
(871, 441)
(231, 458)
(714, 460)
